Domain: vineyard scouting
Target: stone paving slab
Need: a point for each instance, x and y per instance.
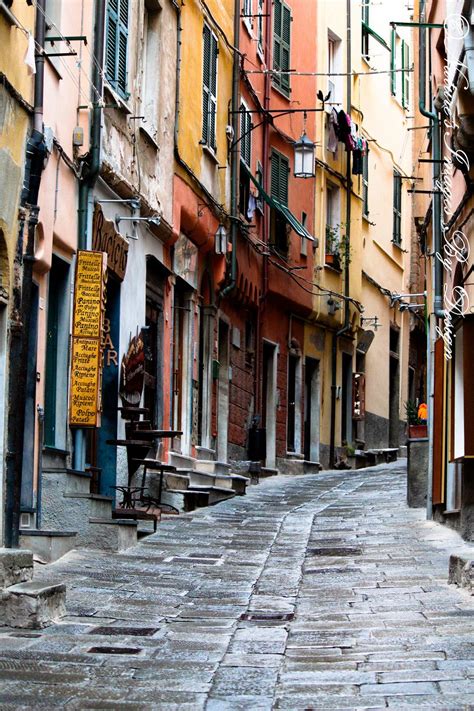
(319, 591)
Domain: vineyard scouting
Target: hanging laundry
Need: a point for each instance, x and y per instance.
(251, 207)
(333, 138)
(30, 55)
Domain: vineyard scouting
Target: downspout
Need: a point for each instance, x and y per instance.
(234, 156)
(347, 250)
(86, 185)
(21, 297)
(268, 52)
(436, 265)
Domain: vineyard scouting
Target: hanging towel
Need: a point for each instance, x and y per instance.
(30, 55)
(251, 207)
(332, 135)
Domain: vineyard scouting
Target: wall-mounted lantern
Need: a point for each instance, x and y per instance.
(220, 240)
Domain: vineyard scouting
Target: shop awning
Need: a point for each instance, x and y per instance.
(284, 210)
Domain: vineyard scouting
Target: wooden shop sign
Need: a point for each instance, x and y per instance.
(105, 238)
(87, 336)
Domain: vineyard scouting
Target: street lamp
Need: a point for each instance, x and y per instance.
(304, 157)
(304, 154)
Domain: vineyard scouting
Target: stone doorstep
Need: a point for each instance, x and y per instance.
(16, 566)
(461, 571)
(47, 546)
(33, 604)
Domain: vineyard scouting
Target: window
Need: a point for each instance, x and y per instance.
(259, 179)
(304, 241)
(247, 14)
(405, 74)
(53, 29)
(280, 167)
(151, 70)
(280, 170)
(260, 26)
(209, 89)
(281, 46)
(365, 185)
(397, 207)
(368, 32)
(365, 29)
(400, 60)
(334, 68)
(332, 226)
(116, 45)
(245, 135)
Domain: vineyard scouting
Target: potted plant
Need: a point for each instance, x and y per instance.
(332, 246)
(417, 429)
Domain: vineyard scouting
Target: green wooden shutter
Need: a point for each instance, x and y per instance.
(281, 45)
(111, 42)
(279, 177)
(285, 47)
(245, 136)
(209, 91)
(116, 50)
(393, 63)
(405, 74)
(365, 185)
(206, 80)
(397, 207)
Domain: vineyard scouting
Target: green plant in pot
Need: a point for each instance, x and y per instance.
(332, 246)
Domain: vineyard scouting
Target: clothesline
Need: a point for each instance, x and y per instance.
(294, 73)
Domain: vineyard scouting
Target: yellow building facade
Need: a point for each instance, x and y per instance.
(364, 247)
(16, 98)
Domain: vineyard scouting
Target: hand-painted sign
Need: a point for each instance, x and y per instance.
(105, 238)
(87, 333)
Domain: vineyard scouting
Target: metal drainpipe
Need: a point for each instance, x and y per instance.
(86, 185)
(21, 299)
(347, 249)
(234, 157)
(436, 265)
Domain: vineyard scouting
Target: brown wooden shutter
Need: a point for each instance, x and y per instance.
(438, 422)
(468, 377)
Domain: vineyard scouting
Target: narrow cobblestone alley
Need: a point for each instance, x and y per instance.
(312, 592)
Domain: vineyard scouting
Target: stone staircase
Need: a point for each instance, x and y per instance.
(68, 504)
(199, 482)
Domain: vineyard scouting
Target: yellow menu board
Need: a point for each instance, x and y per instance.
(87, 332)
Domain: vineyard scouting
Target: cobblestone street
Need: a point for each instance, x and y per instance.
(312, 592)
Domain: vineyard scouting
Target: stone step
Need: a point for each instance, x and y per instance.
(180, 461)
(33, 604)
(213, 467)
(216, 493)
(205, 453)
(185, 501)
(109, 534)
(297, 465)
(99, 506)
(78, 481)
(267, 471)
(176, 481)
(235, 482)
(16, 566)
(312, 467)
(200, 478)
(403, 451)
(48, 546)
